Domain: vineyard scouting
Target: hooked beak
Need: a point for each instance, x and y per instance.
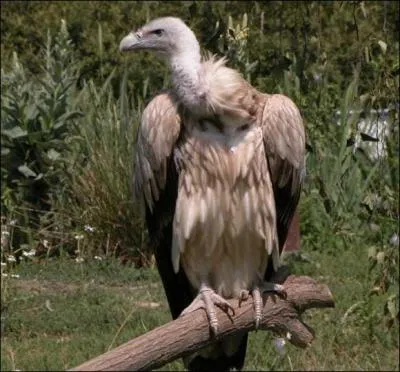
(129, 42)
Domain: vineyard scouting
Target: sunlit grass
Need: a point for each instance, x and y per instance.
(63, 313)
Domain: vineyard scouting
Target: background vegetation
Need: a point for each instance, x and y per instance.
(71, 231)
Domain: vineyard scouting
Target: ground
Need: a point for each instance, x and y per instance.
(59, 313)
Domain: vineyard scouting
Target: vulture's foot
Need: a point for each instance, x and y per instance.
(207, 299)
(243, 296)
(257, 293)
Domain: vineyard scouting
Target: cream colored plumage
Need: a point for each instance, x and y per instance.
(219, 166)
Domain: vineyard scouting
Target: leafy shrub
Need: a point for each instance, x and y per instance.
(37, 123)
(337, 181)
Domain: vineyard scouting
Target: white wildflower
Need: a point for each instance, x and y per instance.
(98, 258)
(13, 222)
(15, 276)
(89, 228)
(11, 258)
(288, 335)
(5, 232)
(317, 77)
(3, 263)
(79, 237)
(79, 259)
(5, 275)
(46, 243)
(280, 344)
(48, 306)
(394, 240)
(30, 253)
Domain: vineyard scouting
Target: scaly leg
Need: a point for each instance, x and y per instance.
(207, 299)
(257, 297)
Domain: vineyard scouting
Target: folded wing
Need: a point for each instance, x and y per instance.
(284, 140)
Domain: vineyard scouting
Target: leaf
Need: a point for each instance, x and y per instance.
(31, 112)
(26, 171)
(15, 132)
(244, 22)
(230, 23)
(53, 154)
(351, 310)
(66, 117)
(250, 67)
(391, 306)
(380, 257)
(372, 252)
(383, 46)
(107, 83)
(364, 11)
(366, 54)
(48, 306)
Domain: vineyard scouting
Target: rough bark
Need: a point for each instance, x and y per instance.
(191, 332)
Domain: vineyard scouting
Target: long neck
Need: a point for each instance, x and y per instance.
(185, 67)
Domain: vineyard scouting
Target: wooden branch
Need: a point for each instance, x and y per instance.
(185, 335)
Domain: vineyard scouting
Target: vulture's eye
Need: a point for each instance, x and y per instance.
(158, 32)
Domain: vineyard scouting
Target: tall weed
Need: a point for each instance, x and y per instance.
(37, 120)
(102, 177)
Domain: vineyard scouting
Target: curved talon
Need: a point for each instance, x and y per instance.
(283, 294)
(208, 299)
(227, 308)
(244, 295)
(223, 304)
(278, 288)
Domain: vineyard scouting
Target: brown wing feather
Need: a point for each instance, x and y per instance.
(156, 181)
(284, 139)
(158, 133)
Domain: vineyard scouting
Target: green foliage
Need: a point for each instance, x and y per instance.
(336, 187)
(234, 45)
(37, 120)
(65, 149)
(104, 150)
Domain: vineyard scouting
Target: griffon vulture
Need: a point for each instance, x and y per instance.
(219, 166)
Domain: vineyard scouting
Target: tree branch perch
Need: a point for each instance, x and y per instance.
(185, 335)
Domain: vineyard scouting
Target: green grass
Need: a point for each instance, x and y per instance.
(60, 313)
(63, 313)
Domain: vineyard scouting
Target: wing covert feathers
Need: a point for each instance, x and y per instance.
(284, 139)
(157, 135)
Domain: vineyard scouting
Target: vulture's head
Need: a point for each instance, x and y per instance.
(168, 36)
